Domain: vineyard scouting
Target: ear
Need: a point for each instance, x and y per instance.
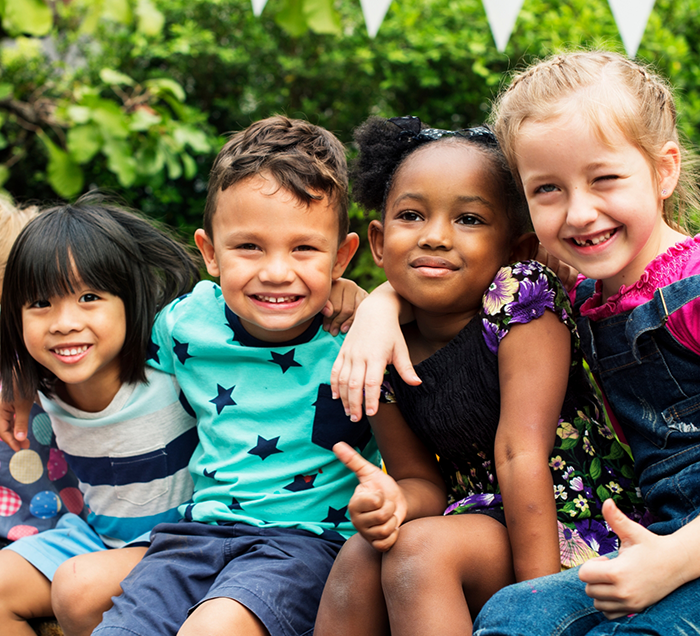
(375, 234)
(346, 251)
(668, 169)
(525, 247)
(206, 247)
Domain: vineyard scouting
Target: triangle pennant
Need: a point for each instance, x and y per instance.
(631, 17)
(374, 11)
(502, 15)
(258, 6)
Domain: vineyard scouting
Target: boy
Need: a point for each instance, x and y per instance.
(269, 510)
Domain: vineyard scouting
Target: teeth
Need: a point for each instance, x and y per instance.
(71, 352)
(593, 241)
(276, 299)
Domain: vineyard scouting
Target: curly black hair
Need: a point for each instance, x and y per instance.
(385, 144)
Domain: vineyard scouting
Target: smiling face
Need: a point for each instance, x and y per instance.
(595, 205)
(445, 231)
(276, 256)
(78, 337)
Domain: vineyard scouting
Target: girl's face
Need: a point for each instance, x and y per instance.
(445, 232)
(78, 337)
(596, 206)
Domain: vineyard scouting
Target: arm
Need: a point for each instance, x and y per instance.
(533, 361)
(374, 341)
(412, 488)
(566, 273)
(339, 311)
(649, 566)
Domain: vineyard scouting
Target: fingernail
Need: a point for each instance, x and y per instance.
(353, 418)
(345, 328)
(334, 395)
(20, 435)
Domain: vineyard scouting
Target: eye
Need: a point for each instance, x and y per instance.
(469, 219)
(89, 297)
(247, 246)
(39, 304)
(546, 188)
(305, 248)
(608, 177)
(409, 215)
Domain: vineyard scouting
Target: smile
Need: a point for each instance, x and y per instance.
(432, 262)
(587, 242)
(276, 299)
(73, 351)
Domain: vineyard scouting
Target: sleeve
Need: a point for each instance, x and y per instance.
(520, 293)
(160, 349)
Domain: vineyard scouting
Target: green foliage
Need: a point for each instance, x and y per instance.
(133, 93)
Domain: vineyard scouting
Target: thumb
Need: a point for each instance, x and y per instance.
(363, 469)
(627, 530)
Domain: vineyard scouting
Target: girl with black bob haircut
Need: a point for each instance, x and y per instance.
(525, 458)
(107, 247)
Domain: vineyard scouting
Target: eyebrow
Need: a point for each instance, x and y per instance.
(462, 199)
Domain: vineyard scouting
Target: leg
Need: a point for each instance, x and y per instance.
(442, 570)
(222, 617)
(83, 587)
(24, 593)
(353, 601)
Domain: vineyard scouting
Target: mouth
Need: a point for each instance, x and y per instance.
(594, 240)
(276, 300)
(70, 351)
(432, 263)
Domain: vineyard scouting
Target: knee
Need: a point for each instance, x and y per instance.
(70, 593)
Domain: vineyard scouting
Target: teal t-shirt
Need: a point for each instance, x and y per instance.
(265, 417)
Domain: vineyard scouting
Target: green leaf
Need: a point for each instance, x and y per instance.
(144, 118)
(32, 17)
(628, 471)
(150, 20)
(596, 469)
(190, 166)
(150, 159)
(292, 18)
(83, 142)
(3, 141)
(322, 17)
(64, 174)
(111, 77)
(603, 493)
(6, 90)
(568, 443)
(120, 161)
(79, 114)
(173, 165)
(194, 138)
(117, 10)
(4, 174)
(113, 121)
(164, 85)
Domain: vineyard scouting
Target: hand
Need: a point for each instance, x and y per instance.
(374, 341)
(14, 423)
(647, 569)
(567, 274)
(339, 311)
(378, 507)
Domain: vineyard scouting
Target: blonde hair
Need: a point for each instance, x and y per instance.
(12, 220)
(611, 93)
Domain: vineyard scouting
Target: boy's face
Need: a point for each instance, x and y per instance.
(276, 257)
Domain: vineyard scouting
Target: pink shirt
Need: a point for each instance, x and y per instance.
(680, 261)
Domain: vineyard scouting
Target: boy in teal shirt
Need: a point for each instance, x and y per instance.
(269, 512)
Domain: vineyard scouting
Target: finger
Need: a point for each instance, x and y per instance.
(374, 377)
(23, 409)
(335, 374)
(356, 391)
(365, 500)
(364, 470)
(402, 363)
(359, 296)
(596, 571)
(383, 545)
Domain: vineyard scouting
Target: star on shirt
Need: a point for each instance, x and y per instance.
(336, 517)
(285, 360)
(301, 482)
(211, 475)
(188, 512)
(234, 505)
(223, 398)
(180, 350)
(265, 447)
(152, 352)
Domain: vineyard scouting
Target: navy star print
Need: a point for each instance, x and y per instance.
(265, 447)
(152, 352)
(301, 482)
(223, 398)
(336, 517)
(234, 505)
(211, 475)
(285, 360)
(180, 350)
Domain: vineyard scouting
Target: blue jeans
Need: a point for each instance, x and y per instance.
(557, 605)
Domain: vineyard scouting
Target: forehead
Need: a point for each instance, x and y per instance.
(259, 204)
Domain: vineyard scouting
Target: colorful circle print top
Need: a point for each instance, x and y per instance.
(455, 412)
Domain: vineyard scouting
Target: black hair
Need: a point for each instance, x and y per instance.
(385, 144)
(110, 249)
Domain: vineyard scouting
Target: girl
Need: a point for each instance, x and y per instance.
(82, 286)
(504, 394)
(592, 138)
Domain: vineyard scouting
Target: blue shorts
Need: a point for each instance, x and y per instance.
(277, 573)
(48, 549)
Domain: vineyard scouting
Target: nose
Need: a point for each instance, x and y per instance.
(67, 316)
(581, 210)
(276, 269)
(436, 234)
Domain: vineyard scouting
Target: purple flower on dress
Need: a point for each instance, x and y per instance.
(492, 336)
(597, 535)
(535, 297)
(576, 484)
(500, 292)
(524, 268)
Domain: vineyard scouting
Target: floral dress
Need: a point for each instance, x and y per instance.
(455, 412)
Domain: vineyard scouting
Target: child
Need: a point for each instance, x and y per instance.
(592, 138)
(269, 512)
(504, 402)
(83, 283)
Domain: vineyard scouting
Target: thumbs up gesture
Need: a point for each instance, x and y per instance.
(378, 507)
(648, 567)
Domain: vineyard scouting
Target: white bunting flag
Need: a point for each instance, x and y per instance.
(374, 11)
(502, 15)
(258, 6)
(631, 17)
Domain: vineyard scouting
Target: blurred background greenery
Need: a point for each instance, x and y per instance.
(137, 96)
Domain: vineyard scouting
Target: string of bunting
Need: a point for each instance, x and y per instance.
(631, 17)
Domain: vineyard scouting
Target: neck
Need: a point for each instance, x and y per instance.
(434, 331)
(92, 398)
